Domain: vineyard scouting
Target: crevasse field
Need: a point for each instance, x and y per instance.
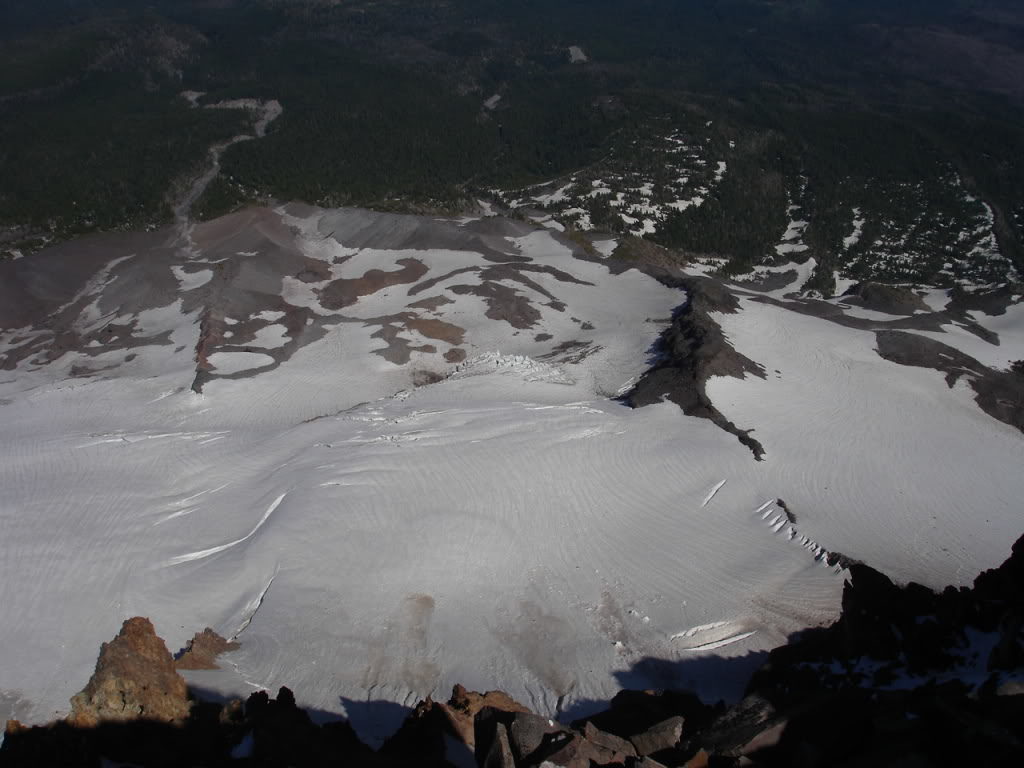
(400, 465)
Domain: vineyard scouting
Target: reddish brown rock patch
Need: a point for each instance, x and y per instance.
(503, 303)
(463, 707)
(432, 303)
(134, 678)
(345, 292)
(313, 271)
(436, 329)
(203, 649)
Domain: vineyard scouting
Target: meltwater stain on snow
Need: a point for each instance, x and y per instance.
(403, 659)
(541, 640)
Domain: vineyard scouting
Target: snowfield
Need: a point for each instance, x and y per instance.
(886, 456)
(402, 469)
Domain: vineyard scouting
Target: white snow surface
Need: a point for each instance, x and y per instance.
(900, 470)
(234, 362)
(858, 227)
(507, 527)
(606, 246)
(483, 531)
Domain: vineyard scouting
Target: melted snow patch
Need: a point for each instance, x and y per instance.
(681, 205)
(190, 280)
(606, 247)
(576, 55)
(270, 336)
(858, 228)
(558, 196)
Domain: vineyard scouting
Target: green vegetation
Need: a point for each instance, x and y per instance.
(384, 106)
(101, 160)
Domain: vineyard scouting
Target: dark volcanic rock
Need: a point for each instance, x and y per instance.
(865, 688)
(659, 737)
(692, 350)
(999, 393)
(633, 712)
(747, 727)
(608, 740)
(464, 706)
(421, 737)
(569, 750)
(528, 733)
(469, 719)
(500, 753)
(282, 734)
(891, 299)
(134, 678)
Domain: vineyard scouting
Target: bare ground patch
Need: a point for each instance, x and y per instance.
(1000, 394)
(345, 292)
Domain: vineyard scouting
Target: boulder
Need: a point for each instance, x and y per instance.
(569, 750)
(633, 712)
(891, 299)
(463, 707)
(284, 734)
(734, 733)
(659, 737)
(528, 733)
(500, 753)
(608, 741)
(134, 679)
(485, 711)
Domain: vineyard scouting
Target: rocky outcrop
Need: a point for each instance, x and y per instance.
(691, 351)
(134, 679)
(203, 649)
(904, 676)
(888, 633)
(998, 393)
(276, 732)
(211, 333)
(890, 299)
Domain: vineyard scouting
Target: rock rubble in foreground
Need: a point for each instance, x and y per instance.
(905, 677)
